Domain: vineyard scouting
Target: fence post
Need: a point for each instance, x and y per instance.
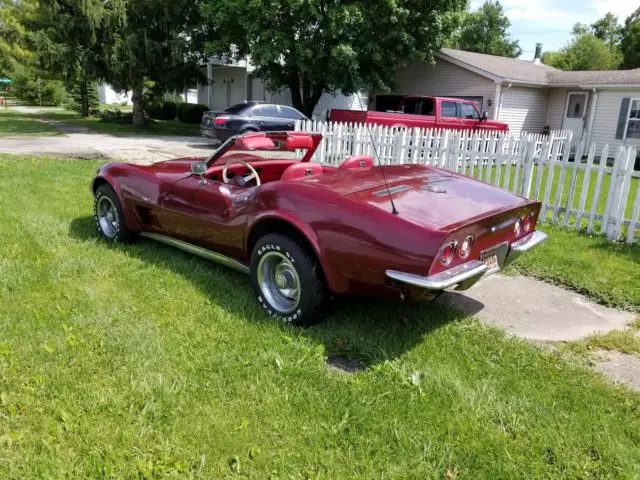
(585, 186)
(634, 217)
(604, 155)
(622, 194)
(577, 159)
(613, 186)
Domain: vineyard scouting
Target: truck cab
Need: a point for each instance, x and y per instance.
(425, 112)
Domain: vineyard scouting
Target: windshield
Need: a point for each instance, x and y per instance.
(260, 147)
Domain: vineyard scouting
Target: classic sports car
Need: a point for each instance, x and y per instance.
(304, 231)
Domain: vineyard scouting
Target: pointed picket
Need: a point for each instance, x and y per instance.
(572, 183)
(635, 217)
(585, 186)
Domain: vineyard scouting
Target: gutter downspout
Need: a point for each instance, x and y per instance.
(592, 115)
(496, 103)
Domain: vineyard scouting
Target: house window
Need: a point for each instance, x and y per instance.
(633, 120)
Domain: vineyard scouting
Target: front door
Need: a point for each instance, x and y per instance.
(211, 215)
(575, 112)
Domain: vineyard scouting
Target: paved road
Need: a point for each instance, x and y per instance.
(143, 149)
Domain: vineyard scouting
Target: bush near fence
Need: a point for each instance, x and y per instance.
(575, 187)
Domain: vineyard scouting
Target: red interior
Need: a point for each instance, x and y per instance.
(268, 170)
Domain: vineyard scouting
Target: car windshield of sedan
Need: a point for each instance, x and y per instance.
(260, 146)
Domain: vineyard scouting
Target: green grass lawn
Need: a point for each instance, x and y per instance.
(606, 271)
(158, 127)
(144, 362)
(15, 123)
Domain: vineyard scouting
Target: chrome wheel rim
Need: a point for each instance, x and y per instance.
(279, 282)
(107, 217)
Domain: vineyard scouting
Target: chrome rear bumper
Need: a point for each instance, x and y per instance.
(465, 275)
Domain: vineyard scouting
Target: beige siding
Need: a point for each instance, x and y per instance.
(557, 102)
(444, 79)
(606, 117)
(524, 109)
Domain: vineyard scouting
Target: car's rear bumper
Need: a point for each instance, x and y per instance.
(464, 276)
(221, 134)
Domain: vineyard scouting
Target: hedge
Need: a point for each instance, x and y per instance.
(191, 112)
(162, 111)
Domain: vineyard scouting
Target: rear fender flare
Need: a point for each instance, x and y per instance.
(335, 280)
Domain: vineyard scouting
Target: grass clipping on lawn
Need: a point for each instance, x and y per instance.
(142, 361)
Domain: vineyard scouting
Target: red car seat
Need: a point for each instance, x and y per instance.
(301, 170)
(359, 162)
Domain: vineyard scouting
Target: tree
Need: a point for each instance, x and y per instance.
(584, 52)
(314, 46)
(630, 44)
(123, 42)
(486, 31)
(14, 36)
(608, 30)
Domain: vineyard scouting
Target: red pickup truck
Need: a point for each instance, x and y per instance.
(424, 112)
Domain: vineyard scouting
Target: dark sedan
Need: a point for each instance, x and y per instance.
(248, 117)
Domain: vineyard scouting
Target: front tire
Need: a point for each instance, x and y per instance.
(287, 280)
(109, 216)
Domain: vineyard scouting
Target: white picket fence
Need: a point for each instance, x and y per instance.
(542, 167)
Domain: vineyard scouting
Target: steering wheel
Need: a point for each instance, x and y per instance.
(245, 180)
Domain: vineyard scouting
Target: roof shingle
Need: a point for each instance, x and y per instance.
(522, 71)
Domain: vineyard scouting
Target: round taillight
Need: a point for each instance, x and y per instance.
(526, 224)
(516, 227)
(447, 253)
(465, 246)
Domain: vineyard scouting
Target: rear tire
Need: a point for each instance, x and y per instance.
(287, 280)
(109, 216)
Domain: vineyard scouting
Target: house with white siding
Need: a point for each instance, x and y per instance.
(598, 106)
(229, 83)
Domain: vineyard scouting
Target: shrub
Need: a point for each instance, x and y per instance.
(162, 111)
(191, 112)
(28, 88)
(116, 116)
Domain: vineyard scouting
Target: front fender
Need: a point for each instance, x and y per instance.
(104, 176)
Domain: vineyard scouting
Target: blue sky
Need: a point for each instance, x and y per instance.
(550, 22)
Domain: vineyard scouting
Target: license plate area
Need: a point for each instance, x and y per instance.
(494, 257)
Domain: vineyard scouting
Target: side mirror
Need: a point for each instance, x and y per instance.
(199, 169)
(483, 118)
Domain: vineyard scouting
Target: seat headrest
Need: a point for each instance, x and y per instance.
(359, 162)
(298, 171)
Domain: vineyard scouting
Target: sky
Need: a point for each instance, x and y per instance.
(550, 22)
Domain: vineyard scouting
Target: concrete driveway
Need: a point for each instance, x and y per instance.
(142, 149)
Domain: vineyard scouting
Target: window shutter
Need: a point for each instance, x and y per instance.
(622, 118)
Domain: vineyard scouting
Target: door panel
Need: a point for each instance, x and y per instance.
(575, 112)
(211, 215)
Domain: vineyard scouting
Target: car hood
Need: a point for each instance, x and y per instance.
(426, 196)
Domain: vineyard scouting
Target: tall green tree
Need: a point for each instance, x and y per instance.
(630, 44)
(608, 30)
(314, 46)
(486, 31)
(124, 42)
(584, 52)
(15, 48)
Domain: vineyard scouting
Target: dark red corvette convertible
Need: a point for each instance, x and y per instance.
(303, 231)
